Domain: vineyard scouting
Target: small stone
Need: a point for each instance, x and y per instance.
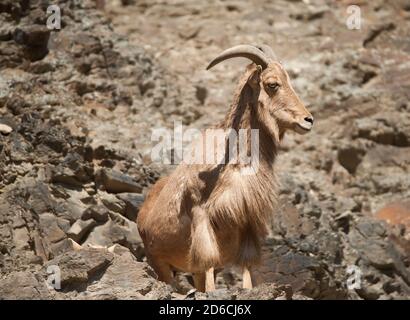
(126, 278)
(21, 238)
(112, 202)
(23, 285)
(17, 104)
(133, 203)
(111, 233)
(35, 39)
(189, 32)
(65, 246)
(80, 228)
(350, 156)
(49, 226)
(6, 31)
(18, 222)
(5, 129)
(77, 267)
(117, 182)
(201, 93)
(99, 213)
(40, 67)
(32, 35)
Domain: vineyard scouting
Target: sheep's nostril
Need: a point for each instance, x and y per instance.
(309, 119)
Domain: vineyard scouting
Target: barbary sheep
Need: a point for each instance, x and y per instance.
(206, 216)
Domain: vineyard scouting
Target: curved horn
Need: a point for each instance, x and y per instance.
(243, 50)
(267, 50)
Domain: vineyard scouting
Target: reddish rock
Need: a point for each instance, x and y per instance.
(395, 213)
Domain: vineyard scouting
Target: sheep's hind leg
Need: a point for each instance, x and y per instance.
(246, 278)
(199, 281)
(163, 270)
(209, 280)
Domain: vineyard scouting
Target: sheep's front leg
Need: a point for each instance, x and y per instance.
(246, 278)
(209, 280)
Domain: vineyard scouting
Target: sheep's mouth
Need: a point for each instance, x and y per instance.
(302, 128)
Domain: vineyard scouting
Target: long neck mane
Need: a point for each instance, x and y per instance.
(246, 202)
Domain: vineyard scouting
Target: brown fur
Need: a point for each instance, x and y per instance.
(209, 216)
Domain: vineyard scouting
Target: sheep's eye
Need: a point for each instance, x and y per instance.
(273, 85)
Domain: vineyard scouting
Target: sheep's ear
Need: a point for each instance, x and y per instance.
(255, 77)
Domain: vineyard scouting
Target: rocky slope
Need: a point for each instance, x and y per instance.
(76, 111)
